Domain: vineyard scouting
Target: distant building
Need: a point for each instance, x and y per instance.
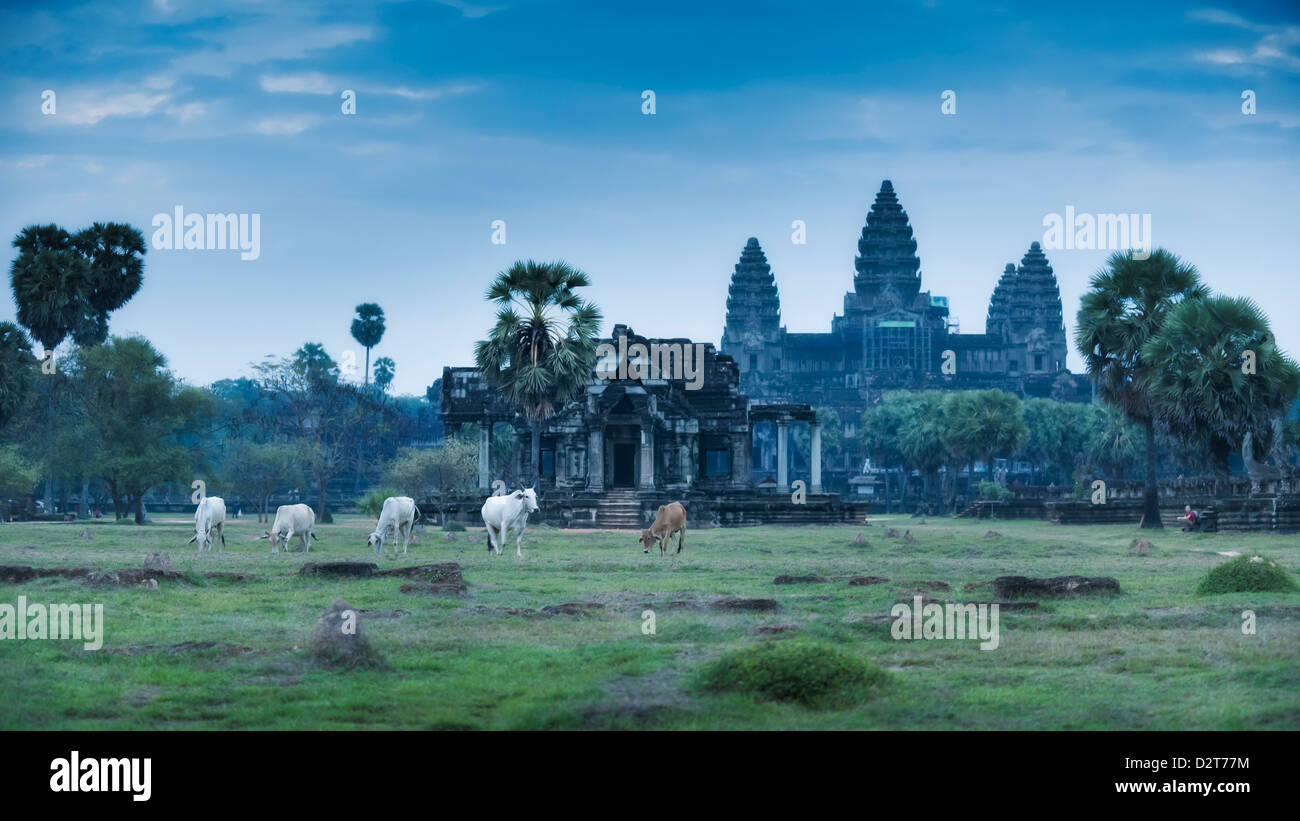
(894, 336)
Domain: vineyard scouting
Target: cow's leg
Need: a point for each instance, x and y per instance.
(406, 538)
(519, 538)
(306, 539)
(221, 531)
(681, 539)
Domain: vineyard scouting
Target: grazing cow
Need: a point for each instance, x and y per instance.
(398, 515)
(291, 520)
(671, 519)
(502, 514)
(210, 515)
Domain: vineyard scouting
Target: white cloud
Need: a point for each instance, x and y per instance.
(287, 126)
(310, 83)
(86, 108)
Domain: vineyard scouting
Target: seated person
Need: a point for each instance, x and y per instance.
(1189, 516)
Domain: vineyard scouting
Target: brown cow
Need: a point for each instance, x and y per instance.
(671, 519)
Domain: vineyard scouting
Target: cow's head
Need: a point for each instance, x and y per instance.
(647, 540)
(376, 541)
(529, 497)
(200, 536)
(275, 538)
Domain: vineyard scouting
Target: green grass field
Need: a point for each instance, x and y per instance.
(1156, 657)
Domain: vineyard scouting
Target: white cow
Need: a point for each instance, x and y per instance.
(502, 514)
(291, 520)
(210, 515)
(398, 515)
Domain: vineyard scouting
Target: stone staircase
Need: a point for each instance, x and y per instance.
(620, 510)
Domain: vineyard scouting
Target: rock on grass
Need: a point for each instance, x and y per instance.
(338, 640)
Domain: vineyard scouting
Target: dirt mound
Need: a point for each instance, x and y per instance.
(1020, 587)
(349, 569)
(805, 579)
(222, 648)
(777, 629)
(573, 608)
(338, 641)
(863, 581)
(993, 534)
(931, 585)
(762, 605)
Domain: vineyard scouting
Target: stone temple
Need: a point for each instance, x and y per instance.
(893, 336)
(731, 441)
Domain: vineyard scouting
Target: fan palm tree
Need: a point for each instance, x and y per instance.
(114, 253)
(367, 329)
(542, 348)
(49, 278)
(384, 370)
(1197, 381)
(1124, 309)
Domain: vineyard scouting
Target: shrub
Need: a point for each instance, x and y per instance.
(992, 490)
(373, 502)
(1246, 574)
(815, 675)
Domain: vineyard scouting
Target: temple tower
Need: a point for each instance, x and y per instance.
(752, 335)
(888, 271)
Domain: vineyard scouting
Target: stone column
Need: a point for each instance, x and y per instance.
(647, 459)
(484, 455)
(596, 460)
(816, 458)
(782, 453)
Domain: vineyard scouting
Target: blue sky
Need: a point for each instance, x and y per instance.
(530, 112)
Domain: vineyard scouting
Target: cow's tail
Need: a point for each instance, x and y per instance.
(489, 530)
(418, 514)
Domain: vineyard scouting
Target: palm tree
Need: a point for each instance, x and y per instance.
(367, 329)
(542, 348)
(115, 254)
(384, 370)
(1126, 308)
(68, 285)
(1197, 381)
(49, 278)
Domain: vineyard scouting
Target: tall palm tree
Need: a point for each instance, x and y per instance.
(1197, 382)
(49, 278)
(1124, 309)
(542, 348)
(385, 368)
(115, 254)
(367, 329)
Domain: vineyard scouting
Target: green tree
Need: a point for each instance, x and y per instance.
(17, 369)
(330, 422)
(1057, 438)
(542, 348)
(368, 329)
(255, 470)
(17, 476)
(384, 370)
(142, 419)
(1204, 386)
(1125, 307)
